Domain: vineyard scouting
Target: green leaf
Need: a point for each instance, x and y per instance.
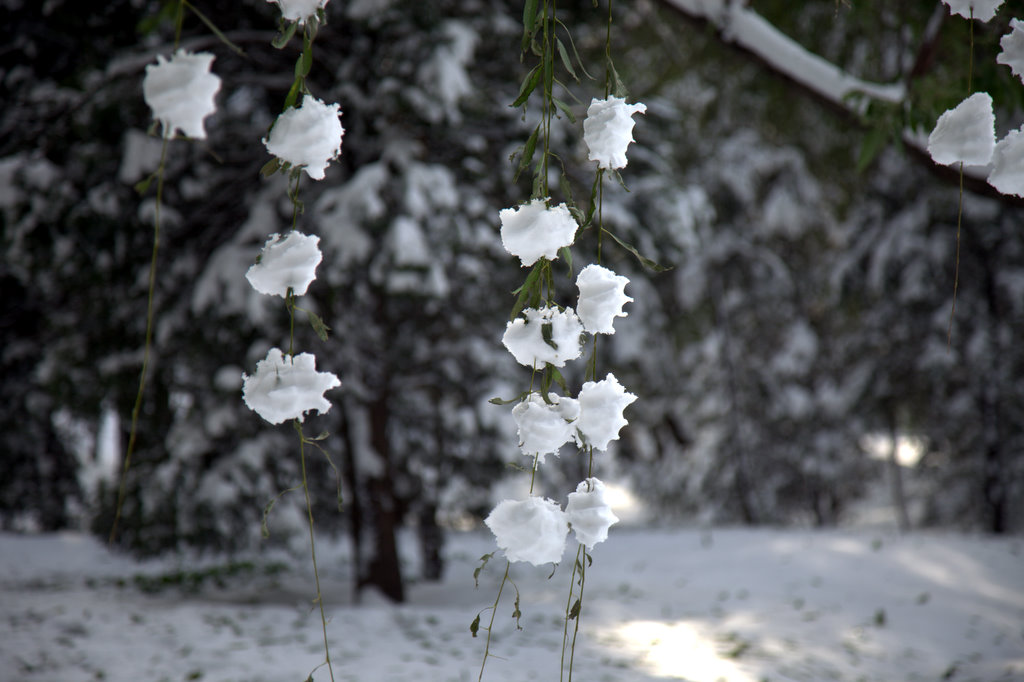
(142, 186)
(565, 60)
(293, 94)
(618, 88)
(318, 325)
(870, 147)
(476, 573)
(575, 610)
(545, 333)
(323, 435)
(529, 22)
(567, 255)
(528, 86)
(528, 151)
(474, 627)
(286, 34)
(644, 260)
(531, 283)
(503, 401)
(557, 377)
(564, 108)
(271, 167)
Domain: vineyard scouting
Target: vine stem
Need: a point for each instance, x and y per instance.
(960, 207)
(490, 625)
(312, 549)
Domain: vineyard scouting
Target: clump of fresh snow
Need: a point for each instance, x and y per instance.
(601, 406)
(287, 387)
(602, 295)
(180, 92)
(534, 231)
(965, 133)
(531, 530)
(299, 10)
(286, 264)
(545, 427)
(982, 10)
(308, 136)
(608, 130)
(589, 513)
(1012, 54)
(1007, 174)
(524, 337)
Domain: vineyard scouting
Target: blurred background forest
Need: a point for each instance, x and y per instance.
(800, 334)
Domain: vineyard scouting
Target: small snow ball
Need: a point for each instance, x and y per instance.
(299, 10)
(965, 133)
(1007, 174)
(284, 264)
(602, 295)
(531, 530)
(1012, 44)
(608, 130)
(533, 231)
(180, 92)
(982, 10)
(308, 136)
(525, 337)
(544, 427)
(589, 514)
(287, 387)
(601, 406)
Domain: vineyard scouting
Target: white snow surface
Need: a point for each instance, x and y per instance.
(299, 10)
(308, 136)
(180, 92)
(1007, 174)
(608, 130)
(685, 604)
(524, 337)
(1012, 52)
(284, 264)
(287, 387)
(965, 133)
(982, 10)
(533, 231)
(602, 295)
(532, 530)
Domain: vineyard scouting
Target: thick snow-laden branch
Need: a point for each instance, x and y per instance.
(747, 29)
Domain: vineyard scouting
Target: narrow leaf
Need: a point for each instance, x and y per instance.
(526, 289)
(293, 94)
(529, 21)
(318, 325)
(528, 86)
(271, 167)
(644, 260)
(142, 186)
(618, 87)
(567, 255)
(216, 31)
(565, 109)
(503, 401)
(286, 34)
(575, 610)
(474, 627)
(528, 151)
(565, 60)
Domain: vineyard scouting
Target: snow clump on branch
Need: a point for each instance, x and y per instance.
(608, 130)
(601, 406)
(602, 295)
(524, 337)
(589, 514)
(533, 231)
(1012, 44)
(287, 387)
(982, 10)
(180, 92)
(299, 10)
(284, 264)
(1007, 174)
(308, 136)
(965, 133)
(545, 427)
(531, 530)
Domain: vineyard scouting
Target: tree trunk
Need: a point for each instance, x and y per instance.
(899, 500)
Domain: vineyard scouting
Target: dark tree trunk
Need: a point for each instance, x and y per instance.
(353, 502)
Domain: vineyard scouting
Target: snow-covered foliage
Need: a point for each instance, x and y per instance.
(180, 92)
(534, 230)
(1012, 44)
(525, 337)
(533, 530)
(589, 513)
(308, 136)
(602, 295)
(299, 10)
(1007, 174)
(544, 427)
(608, 130)
(965, 133)
(982, 10)
(286, 264)
(601, 406)
(287, 387)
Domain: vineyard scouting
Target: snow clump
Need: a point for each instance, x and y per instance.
(1007, 174)
(308, 136)
(533, 230)
(602, 295)
(601, 406)
(965, 133)
(180, 92)
(286, 264)
(608, 130)
(1012, 54)
(524, 337)
(982, 10)
(299, 10)
(544, 428)
(287, 387)
(589, 514)
(531, 530)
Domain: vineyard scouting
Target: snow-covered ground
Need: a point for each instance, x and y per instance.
(700, 605)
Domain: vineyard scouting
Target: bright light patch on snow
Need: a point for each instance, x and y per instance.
(286, 387)
(601, 407)
(180, 92)
(524, 337)
(308, 136)
(602, 295)
(982, 10)
(589, 513)
(533, 231)
(531, 530)
(299, 10)
(608, 130)
(680, 651)
(965, 133)
(284, 264)
(909, 449)
(1007, 174)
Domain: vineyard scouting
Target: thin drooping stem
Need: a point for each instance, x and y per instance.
(490, 625)
(312, 550)
(960, 207)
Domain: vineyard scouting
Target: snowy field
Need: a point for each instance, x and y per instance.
(727, 604)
